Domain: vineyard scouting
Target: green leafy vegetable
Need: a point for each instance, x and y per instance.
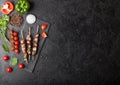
(14, 61)
(5, 47)
(3, 26)
(7, 18)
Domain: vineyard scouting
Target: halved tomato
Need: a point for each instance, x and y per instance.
(44, 26)
(44, 35)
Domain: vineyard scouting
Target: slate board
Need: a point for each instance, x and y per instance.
(30, 66)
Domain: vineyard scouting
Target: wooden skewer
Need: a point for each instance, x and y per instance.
(29, 30)
(22, 34)
(25, 59)
(37, 29)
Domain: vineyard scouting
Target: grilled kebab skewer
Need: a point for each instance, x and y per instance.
(35, 43)
(23, 46)
(29, 44)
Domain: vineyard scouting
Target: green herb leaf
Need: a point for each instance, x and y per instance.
(5, 47)
(14, 61)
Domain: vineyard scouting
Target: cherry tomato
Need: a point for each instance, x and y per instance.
(11, 32)
(17, 51)
(21, 65)
(12, 48)
(16, 46)
(16, 38)
(16, 42)
(9, 69)
(15, 34)
(44, 26)
(12, 42)
(11, 37)
(12, 45)
(5, 58)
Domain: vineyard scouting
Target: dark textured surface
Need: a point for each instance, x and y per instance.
(83, 47)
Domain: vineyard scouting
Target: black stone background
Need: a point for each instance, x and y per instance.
(83, 47)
